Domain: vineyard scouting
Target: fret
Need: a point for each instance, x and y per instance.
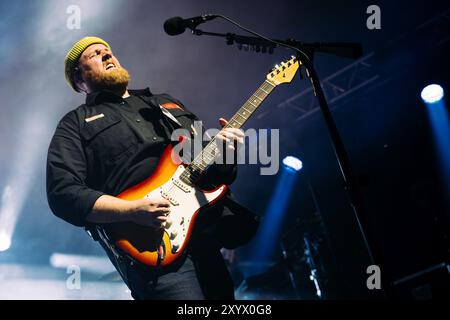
(242, 116)
(200, 159)
(208, 155)
(264, 91)
(257, 101)
(208, 159)
(246, 110)
(251, 107)
(201, 166)
(234, 120)
(212, 151)
(260, 99)
(270, 84)
(253, 104)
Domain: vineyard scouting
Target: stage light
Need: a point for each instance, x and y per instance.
(433, 96)
(432, 93)
(5, 241)
(268, 237)
(293, 163)
(25, 158)
(8, 216)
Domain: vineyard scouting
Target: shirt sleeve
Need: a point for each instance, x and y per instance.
(67, 193)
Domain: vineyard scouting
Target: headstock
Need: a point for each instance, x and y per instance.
(283, 73)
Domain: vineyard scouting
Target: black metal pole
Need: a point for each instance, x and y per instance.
(350, 183)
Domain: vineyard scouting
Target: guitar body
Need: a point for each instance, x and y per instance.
(160, 248)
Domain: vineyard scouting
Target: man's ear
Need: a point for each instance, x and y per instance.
(78, 80)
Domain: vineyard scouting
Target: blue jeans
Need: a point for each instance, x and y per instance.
(182, 284)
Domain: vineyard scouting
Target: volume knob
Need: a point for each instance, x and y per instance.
(173, 234)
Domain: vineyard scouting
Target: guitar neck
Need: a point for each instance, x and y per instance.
(198, 166)
(250, 106)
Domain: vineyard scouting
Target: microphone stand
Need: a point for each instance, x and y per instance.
(305, 53)
(343, 49)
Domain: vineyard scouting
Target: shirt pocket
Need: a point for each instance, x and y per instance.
(108, 138)
(186, 119)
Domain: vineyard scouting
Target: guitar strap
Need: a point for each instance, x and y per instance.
(121, 262)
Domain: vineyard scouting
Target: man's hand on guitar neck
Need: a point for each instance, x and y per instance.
(231, 137)
(224, 168)
(150, 212)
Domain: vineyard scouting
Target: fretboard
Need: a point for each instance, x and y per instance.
(201, 162)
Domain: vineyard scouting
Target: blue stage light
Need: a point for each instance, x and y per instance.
(268, 237)
(293, 163)
(432, 93)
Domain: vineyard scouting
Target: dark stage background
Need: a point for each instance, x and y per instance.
(376, 104)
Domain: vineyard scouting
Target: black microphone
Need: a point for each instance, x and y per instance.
(177, 25)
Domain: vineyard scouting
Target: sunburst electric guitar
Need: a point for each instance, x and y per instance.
(176, 182)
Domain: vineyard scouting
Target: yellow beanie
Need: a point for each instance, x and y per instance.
(74, 55)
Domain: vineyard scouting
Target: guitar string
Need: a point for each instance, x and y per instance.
(266, 88)
(266, 85)
(206, 152)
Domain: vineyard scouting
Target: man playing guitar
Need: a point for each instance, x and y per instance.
(109, 150)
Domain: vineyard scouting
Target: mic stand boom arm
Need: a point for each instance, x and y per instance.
(342, 49)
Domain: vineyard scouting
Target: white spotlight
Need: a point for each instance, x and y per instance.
(293, 163)
(432, 93)
(5, 241)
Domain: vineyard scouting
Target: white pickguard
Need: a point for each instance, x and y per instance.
(185, 201)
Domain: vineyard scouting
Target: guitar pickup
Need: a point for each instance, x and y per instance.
(181, 185)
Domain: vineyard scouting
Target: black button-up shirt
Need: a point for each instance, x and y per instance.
(110, 144)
